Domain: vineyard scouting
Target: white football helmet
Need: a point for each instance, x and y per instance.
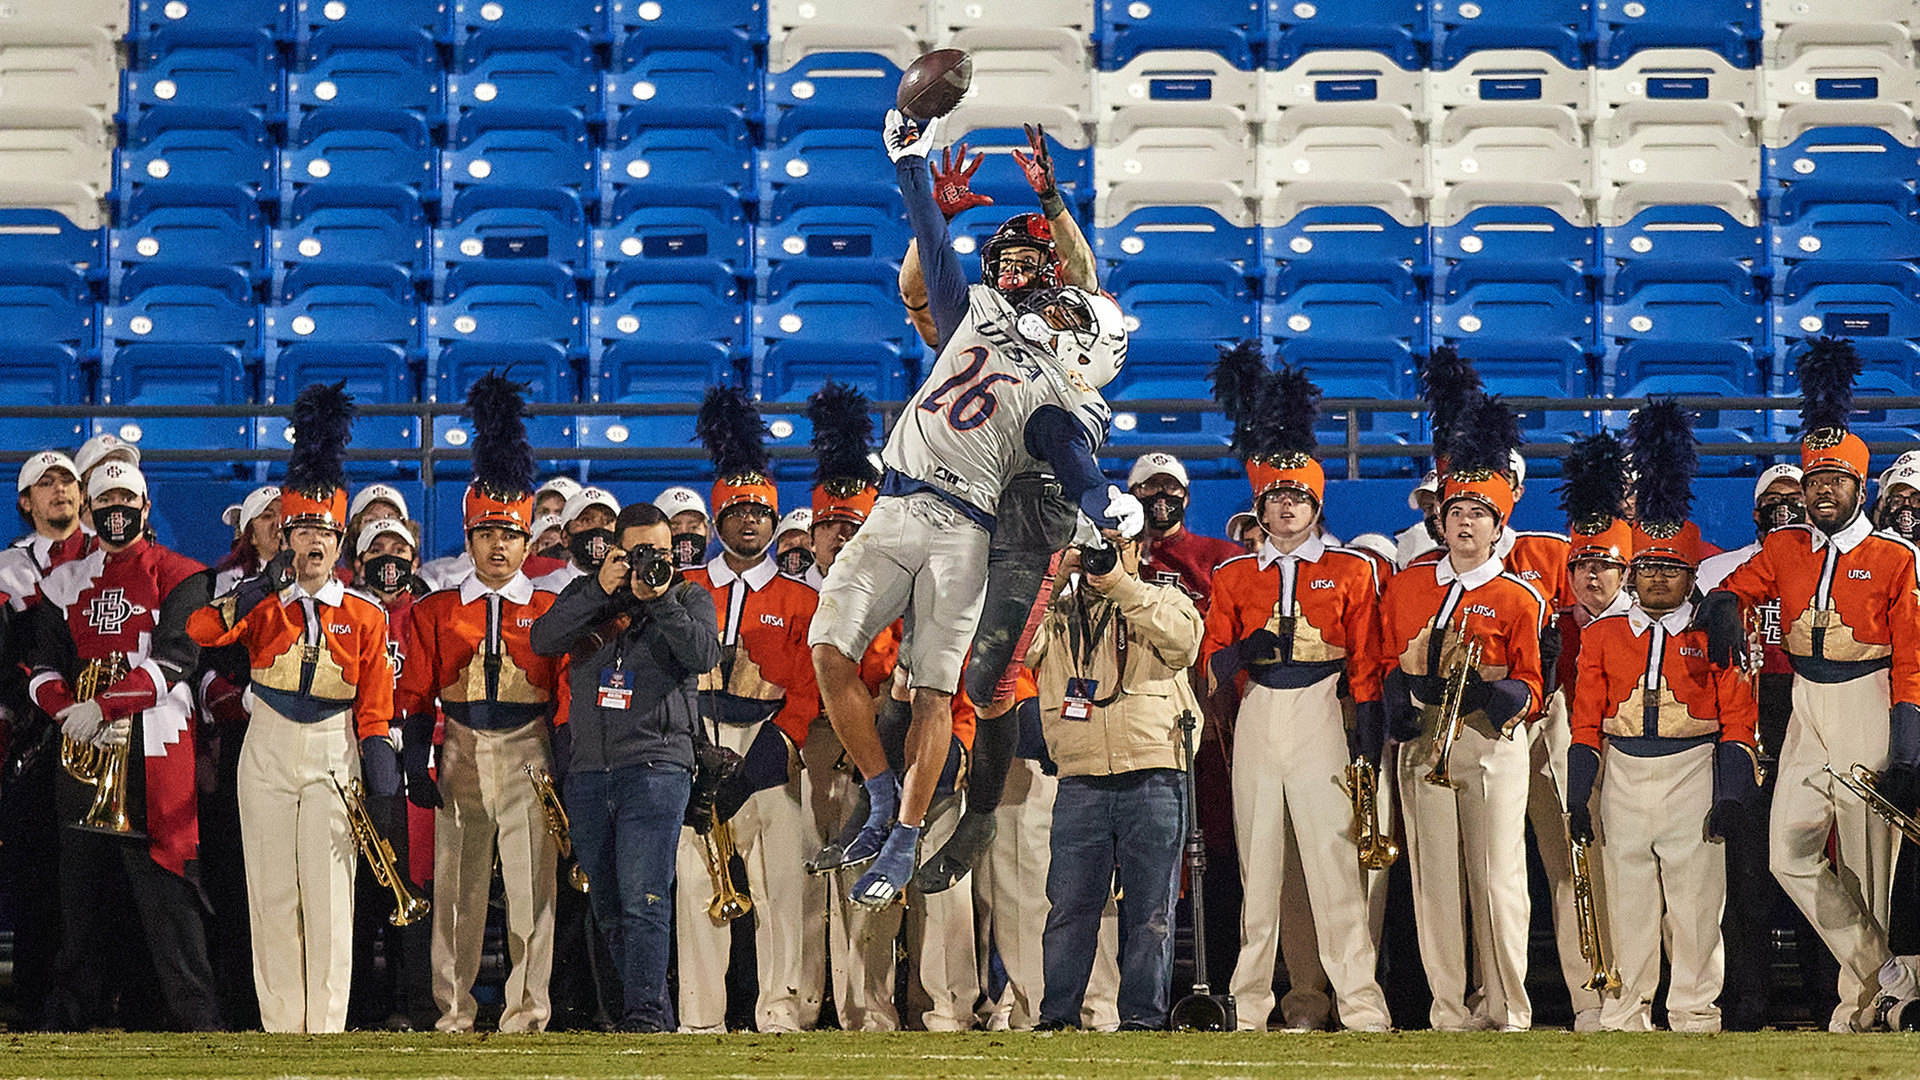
(1084, 332)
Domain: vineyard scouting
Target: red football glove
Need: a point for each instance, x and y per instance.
(1039, 165)
(951, 179)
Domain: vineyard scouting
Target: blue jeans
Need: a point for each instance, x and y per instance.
(626, 830)
(1135, 821)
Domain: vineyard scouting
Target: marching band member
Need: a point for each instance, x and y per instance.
(1753, 895)
(1171, 553)
(120, 613)
(764, 692)
(1848, 602)
(1678, 749)
(256, 540)
(468, 650)
(552, 495)
(1430, 613)
(1292, 619)
(320, 702)
(94, 453)
(49, 506)
(691, 524)
(793, 546)
(587, 518)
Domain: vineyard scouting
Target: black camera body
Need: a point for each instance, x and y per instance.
(1098, 560)
(653, 569)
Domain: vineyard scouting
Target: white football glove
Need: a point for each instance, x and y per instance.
(81, 721)
(118, 733)
(908, 138)
(1123, 508)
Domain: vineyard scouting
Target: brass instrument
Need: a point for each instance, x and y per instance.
(378, 852)
(728, 903)
(102, 767)
(558, 826)
(1865, 783)
(1377, 849)
(1593, 947)
(1448, 731)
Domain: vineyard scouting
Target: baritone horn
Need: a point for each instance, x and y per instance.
(558, 826)
(728, 903)
(1448, 731)
(104, 768)
(1593, 946)
(378, 852)
(1865, 783)
(1377, 849)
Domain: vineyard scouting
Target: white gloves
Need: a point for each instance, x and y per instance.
(118, 733)
(1126, 510)
(908, 138)
(81, 721)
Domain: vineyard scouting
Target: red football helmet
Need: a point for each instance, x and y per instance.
(1029, 232)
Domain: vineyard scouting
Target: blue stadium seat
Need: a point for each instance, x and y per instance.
(1347, 302)
(523, 67)
(518, 148)
(1461, 27)
(205, 66)
(1232, 28)
(839, 312)
(668, 301)
(368, 66)
(137, 376)
(1340, 245)
(1519, 369)
(1709, 425)
(151, 16)
(1741, 365)
(183, 303)
(1185, 311)
(359, 147)
(826, 160)
(830, 90)
(46, 302)
(1222, 277)
(1514, 279)
(186, 144)
(792, 370)
(1877, 305)
(204, 224)
(471, 15)
(350, 223)
(545, 366)
(1191, 233)
(1684, 300)
(506, 301)
(374, 373)
(677, 147)
(1398, 28)
(1840, 153)
(1728, 27)
(1689, 233)
(493, 223)
(1000, 177)
(30, 235)
(748, 15)
(44, 374)
(686, 223)
(846, 230)
(856, 274)
(1861, 221)
(649, 373)
(715, 65)
(345, 302)
(311, 17)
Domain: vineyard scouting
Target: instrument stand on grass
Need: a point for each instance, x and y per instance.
(1202, 1010)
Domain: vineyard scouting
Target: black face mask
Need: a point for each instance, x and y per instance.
(1164, 511)
(118, 524)
(590, 547)
(388, 573)
(1902, 520)
(689, 548)
(1781, 513)
(1432, 522)
(795, 562)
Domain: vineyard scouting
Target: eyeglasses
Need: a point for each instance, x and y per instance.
(1290, 497)
(1659, 571)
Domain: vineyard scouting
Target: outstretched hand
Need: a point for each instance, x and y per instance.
(1038, 165)
(952, 180)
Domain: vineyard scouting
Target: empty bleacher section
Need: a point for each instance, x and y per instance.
(217, 201)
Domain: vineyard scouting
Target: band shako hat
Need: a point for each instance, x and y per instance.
(501, 494)
(845, 481)
(1665, 456)
(1827, 370)
(1593, 492)
(735, 437)
(315, 492)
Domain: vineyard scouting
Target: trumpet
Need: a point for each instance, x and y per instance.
(728, 902)
(1448, 731)
(1865, 783)
(1593, 947)
(558, 826)
(102, 767)
(1377, 849)
(378, 852)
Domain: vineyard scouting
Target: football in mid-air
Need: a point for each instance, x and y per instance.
(934, 84)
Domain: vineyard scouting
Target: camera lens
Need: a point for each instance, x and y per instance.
(1099, 561)
(653, 572)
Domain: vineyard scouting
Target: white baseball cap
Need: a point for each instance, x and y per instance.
(1376, 543)
(100, 448)
(1782, 471)
(578, 502)
(1907, 473)
(115, 476)
(1517, 465)
(377, 491)
(564, 486)
(800, 520)
(1234, 522)
(1148, 466)
(679, 500)
(36, 466)
(1428, 483)
(251, 507)
(547, 521)
(389, 526)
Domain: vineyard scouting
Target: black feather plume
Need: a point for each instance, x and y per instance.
(842, 435)
(1449, 384)
(1665, 457)
(1237, 378)
(1484, 436)
(322, 427)
(1827, 370)
(1293, 402)
(502, 457)
(733, 432)
(1593, 484)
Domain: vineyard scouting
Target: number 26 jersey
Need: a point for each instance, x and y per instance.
(965, 431)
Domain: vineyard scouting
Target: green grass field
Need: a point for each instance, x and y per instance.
(832, 1056)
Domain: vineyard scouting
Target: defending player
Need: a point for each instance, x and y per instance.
(1848, 603)
(1016, 390)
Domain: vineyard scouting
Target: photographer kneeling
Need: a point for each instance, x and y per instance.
(1111, 659)
(638, 637)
